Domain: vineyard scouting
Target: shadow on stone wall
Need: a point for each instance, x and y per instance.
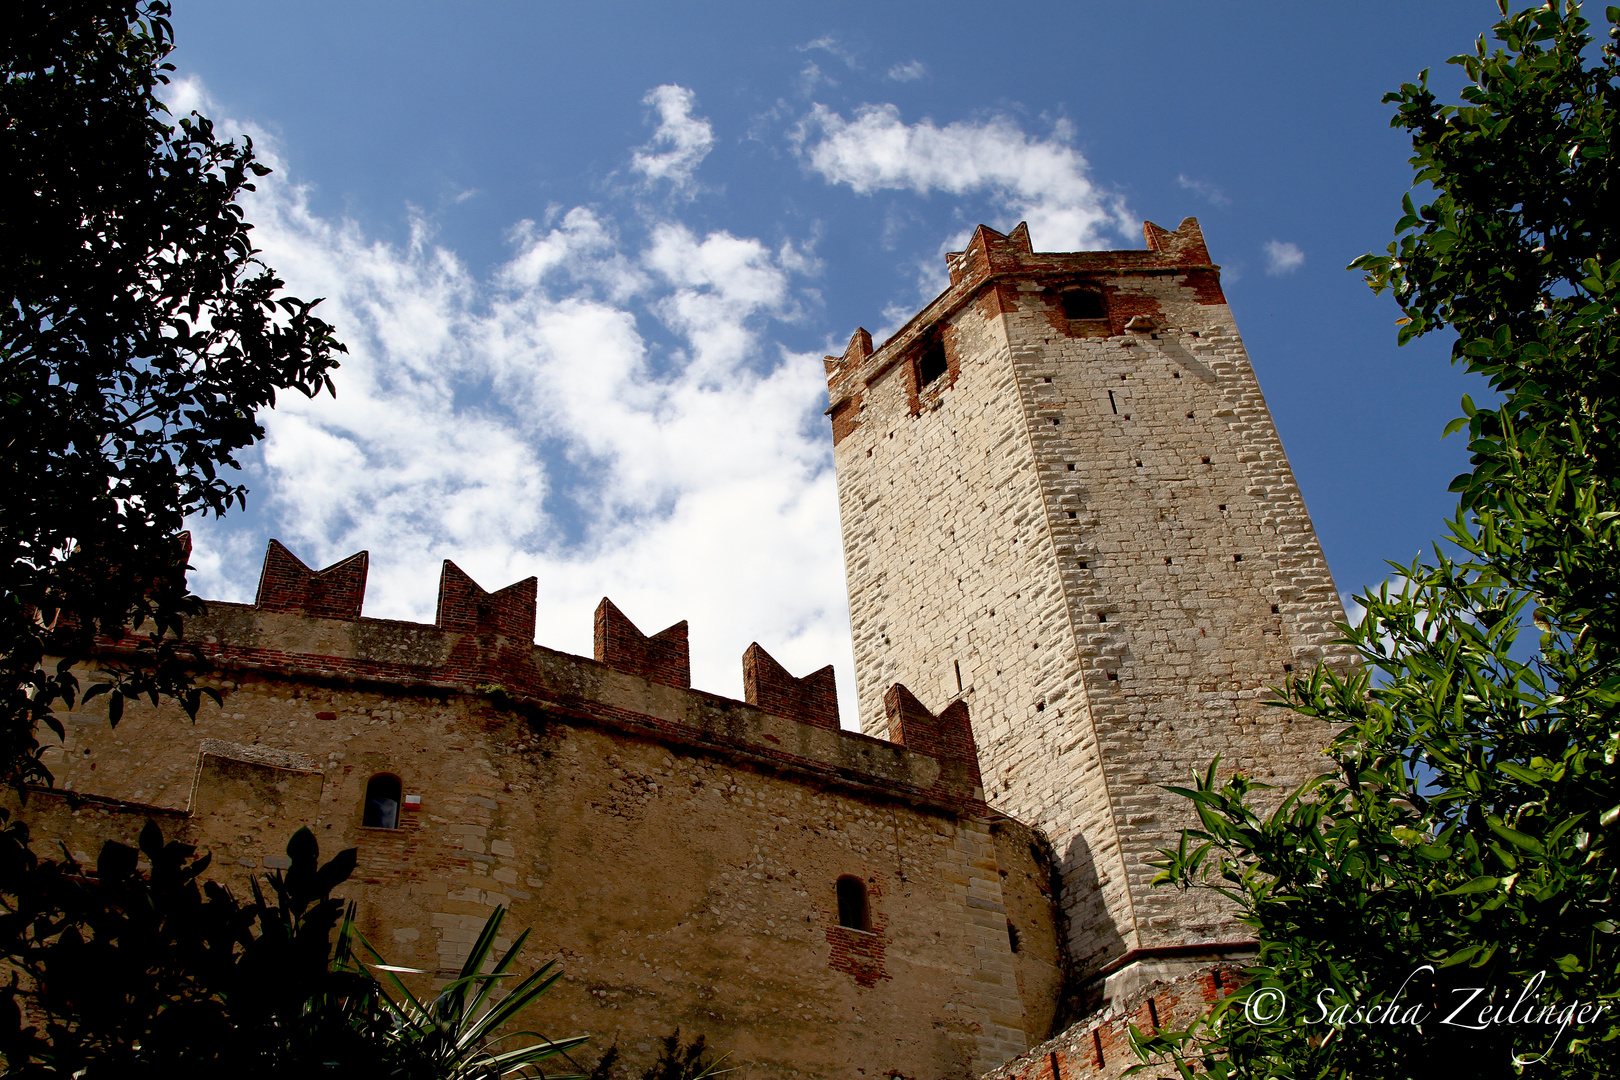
(1089, 931)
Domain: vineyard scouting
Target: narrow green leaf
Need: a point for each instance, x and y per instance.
(1478, 885)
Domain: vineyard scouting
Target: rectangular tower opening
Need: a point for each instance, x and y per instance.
(931, 364)
(1083, 305)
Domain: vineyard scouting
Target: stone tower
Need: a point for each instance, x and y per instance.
(1065, 504)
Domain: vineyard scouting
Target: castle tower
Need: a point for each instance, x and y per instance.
(1065, 503)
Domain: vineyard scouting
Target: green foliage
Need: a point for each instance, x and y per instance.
(453, 1036)
(127, 972)
(1466, 836)
(130, 972)
(139, 335)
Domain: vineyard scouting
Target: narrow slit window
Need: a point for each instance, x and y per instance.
(931, 364)
(852, 910)
(382, 802)
(1083, 304)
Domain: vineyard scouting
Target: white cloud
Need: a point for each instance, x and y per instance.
(1204, 190)
(811, 77)
(908, 72)
(830, 44)
(681, 142)
(1042, 180)
(606, 411)
(1283, 257)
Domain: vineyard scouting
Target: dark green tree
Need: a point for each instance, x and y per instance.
(139, 336)
(124, 971)
(129, 971)
(1466, 837)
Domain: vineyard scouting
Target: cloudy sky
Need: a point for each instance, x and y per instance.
(587, 258)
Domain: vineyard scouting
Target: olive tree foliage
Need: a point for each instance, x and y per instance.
(139, 336)
(1444, 897)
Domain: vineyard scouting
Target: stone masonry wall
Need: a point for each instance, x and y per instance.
(1092, 520)
(951, 574)
(678, 851)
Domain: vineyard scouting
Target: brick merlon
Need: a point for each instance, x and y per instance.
(767, 685)
(286, 584)
(465, 606)
(947, 737)
(664, 657)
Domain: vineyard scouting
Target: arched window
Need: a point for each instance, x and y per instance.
(852, 904)
(382, 802)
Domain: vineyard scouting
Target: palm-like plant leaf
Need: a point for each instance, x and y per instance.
(455, 1032)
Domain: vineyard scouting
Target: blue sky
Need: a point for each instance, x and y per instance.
(587, 259)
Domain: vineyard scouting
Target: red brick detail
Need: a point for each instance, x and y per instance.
(1124, 306)
(860, 953)
(465, 607)
(1019, 240)
(1185, 246)
(947, 737)
(989, 252)
(1206, 286)
(1000, 299)
(768, 686)
(286, 584)
(858, 349)
(1099, 1047)
(845, 417)
(661, 658)
(844, 413)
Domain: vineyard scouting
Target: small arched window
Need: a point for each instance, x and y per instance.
(382, 802)
(852, 904)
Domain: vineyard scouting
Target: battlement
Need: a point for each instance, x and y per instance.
(781, 874)
(307, 624)
(992, 259)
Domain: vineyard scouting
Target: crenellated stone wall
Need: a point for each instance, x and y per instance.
(677, 850)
